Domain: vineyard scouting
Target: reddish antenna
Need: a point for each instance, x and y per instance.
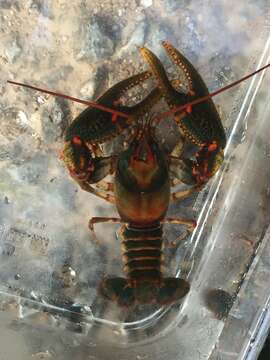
(188, 107)
(85, 102)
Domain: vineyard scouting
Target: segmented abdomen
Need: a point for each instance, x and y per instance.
(142, 254)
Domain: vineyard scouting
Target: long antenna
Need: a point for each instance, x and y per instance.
(189, 105)
(116, 113)
(85, 102)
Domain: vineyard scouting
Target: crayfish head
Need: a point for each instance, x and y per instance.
(143, 161)
(77, 157)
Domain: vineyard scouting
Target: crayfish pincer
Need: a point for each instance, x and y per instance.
(201, 124)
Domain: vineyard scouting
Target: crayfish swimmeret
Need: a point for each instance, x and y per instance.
(144, 171)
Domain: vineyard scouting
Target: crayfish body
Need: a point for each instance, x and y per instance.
(142, 196)
(144, 172)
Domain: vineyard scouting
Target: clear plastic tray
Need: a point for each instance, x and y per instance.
(49, 267)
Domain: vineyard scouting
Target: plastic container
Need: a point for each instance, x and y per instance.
(49, 268)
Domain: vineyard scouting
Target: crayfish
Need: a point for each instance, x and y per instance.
(144, 171)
